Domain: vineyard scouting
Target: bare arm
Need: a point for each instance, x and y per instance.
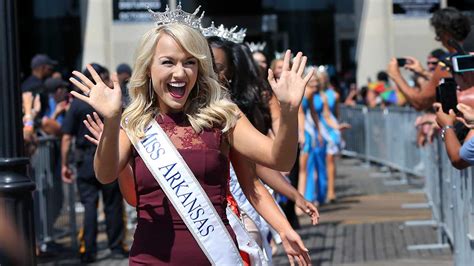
(66, 173)
(114, 149)
(350, 98)
(279, 154)
(113, 152)
(419, 99)
(127, 185)
(126, 179)
(274, 107)
(415, 66)
(65, 145)
(27, 105)
(426, 74)
(262, 201)
(336, 107)
(453, 146)
(327, 113)
(451, 141)
(276, 181)
(314, 115)
(51, 126)
(12, 242)
(301, 118)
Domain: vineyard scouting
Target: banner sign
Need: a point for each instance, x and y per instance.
(136, 10)
(415, 8)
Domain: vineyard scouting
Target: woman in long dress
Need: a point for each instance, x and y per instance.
(174, 84)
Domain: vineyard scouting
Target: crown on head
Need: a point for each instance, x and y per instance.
(178, 16)
(256, 47)
(279, 56)
(224, 33)
(322, 68)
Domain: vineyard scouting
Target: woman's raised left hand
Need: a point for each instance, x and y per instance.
(289, 88)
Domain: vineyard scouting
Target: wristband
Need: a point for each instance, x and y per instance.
(443, 131)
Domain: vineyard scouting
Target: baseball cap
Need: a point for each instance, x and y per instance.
(124, 68)
(98, 68)
(42, 59)
(51, 84)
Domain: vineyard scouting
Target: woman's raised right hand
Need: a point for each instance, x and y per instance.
(105, 100)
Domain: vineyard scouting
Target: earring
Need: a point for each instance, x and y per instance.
(150, 89)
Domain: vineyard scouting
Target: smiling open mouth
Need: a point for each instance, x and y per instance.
(177, 89)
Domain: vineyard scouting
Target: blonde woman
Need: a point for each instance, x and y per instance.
(174, 84)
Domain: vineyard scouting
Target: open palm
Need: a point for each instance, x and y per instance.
(294, 248)
(289, 88)
(105, 100)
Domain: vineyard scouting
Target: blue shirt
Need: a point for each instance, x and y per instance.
(467, 151)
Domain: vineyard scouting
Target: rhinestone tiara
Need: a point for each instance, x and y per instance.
(224, 33)
(279, 56)
(257, 47)
(178, 16)
(322, 68)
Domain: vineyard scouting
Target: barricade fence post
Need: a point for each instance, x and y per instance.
(71, 192)
(449, 192)
(55, 202)
(365, 111)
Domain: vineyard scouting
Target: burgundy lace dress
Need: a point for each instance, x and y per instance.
(161, 237)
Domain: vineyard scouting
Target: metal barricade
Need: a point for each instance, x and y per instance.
(355, 143)
(385, 136)
(388, 136)
(54, 201)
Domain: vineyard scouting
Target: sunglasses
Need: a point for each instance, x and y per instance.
(432, 62)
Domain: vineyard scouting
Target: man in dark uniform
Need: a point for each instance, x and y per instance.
(87, 184)
(41, 68)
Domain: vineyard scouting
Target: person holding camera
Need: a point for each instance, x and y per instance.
(451, 28)
(421, 74)
(461, 156)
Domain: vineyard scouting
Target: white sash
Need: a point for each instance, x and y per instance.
(245, 206)
(187, 196)
(245, 241)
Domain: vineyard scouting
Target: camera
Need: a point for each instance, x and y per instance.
(446, 94)
(463, 63)
(401, 62)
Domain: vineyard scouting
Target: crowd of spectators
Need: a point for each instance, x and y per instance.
(51, 116)
(447, 110)
(50, 111)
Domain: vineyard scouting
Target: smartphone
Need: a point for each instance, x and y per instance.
(401, 62)
(463, 63)
(446, 95)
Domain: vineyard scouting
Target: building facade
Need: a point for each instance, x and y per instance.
(355, 36)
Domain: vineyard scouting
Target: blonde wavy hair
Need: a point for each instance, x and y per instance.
(207, 106)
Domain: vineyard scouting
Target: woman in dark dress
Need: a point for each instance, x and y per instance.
(174, 84)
